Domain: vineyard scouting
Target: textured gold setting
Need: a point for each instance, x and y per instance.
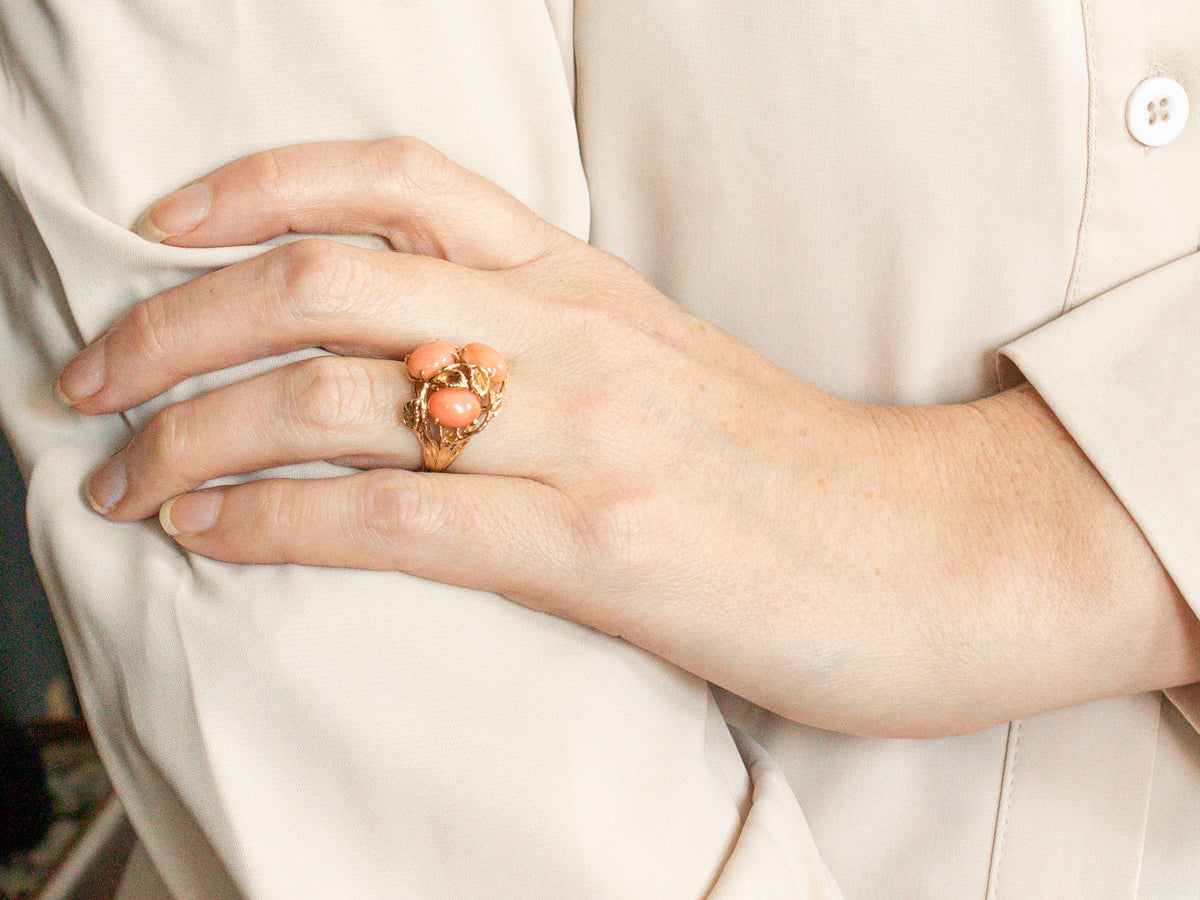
(440, 446)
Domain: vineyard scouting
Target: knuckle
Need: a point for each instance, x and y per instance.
(270, 172)
(598, 427)
(274, 511)
(585, 417)
(321, 279)
(305, 261)
(166, 435)
(395, 508)
(151, 326)
(331, 393)
(574, 556)
(413, 163)
(614, 535)
(166, 441)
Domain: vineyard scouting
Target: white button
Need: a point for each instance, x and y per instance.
(1157, 111)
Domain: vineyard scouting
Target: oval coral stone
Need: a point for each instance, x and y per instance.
(429, 359)
(454, 407)
(486, 358)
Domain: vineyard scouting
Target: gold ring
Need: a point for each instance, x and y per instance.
(456, 393)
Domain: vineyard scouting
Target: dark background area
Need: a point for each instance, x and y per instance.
(32, 666)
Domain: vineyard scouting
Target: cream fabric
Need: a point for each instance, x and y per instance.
(878, 196)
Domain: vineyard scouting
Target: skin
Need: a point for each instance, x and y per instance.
(912, 571)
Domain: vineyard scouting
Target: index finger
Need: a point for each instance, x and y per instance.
(400, 189)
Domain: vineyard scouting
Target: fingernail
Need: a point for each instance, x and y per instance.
(83, 378)
(175, 213)
(190, 514)
(106, 488)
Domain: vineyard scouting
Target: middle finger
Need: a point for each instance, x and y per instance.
(308, 293)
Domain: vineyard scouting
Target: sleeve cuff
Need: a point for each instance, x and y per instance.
(1122, 373)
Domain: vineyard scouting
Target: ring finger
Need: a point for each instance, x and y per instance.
(334, 408)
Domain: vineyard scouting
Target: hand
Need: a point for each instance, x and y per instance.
(873, 570)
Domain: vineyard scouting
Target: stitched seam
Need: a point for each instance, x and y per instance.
(1089, 176)
(1006, 790)
(1155, 759)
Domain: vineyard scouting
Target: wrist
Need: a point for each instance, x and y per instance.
(1010, 578)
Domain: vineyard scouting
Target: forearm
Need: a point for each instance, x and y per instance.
(1046, 592)
(959, 566)
(1125, 625)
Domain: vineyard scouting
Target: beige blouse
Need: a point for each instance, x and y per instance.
(878, 196)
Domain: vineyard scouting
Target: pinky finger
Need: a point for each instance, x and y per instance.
(508, 535)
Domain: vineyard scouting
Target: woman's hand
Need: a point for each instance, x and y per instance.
(865, 569)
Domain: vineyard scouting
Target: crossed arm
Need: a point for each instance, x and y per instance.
(875, 570)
